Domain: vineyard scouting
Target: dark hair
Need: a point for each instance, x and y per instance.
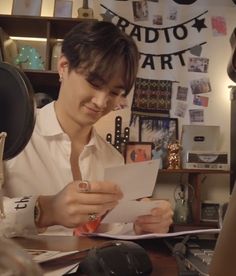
(96, 47)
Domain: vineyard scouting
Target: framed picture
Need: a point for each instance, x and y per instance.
(63, 8)
(138, 152)
(161, 132)
(27, 7)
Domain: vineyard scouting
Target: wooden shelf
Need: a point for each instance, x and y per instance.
(194, 179)
(51, 29)
(194, 171)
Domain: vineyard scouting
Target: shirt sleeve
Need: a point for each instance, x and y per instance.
(19, 217)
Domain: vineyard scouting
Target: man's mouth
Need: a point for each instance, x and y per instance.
(92, 109)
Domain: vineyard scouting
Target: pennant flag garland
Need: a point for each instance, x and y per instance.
(151, 98)
(150, 34)
(166, 60)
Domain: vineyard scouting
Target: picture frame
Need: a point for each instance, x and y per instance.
(160, 131)
(26, 7)
(63, 8)
(138, 152)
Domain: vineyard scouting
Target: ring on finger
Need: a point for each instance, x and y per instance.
(93, 217)
(84, 186)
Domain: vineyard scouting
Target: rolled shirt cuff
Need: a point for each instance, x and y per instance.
(19, 217)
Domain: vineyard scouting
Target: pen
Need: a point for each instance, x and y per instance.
(2, 142)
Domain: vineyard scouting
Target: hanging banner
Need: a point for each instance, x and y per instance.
(152, 35)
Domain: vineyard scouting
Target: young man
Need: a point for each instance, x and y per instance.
(62, 166)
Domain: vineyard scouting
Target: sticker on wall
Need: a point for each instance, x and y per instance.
(200, 100)
(199, 24)
(218, 24)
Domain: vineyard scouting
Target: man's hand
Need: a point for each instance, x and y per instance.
(75, 205)
(158, 221)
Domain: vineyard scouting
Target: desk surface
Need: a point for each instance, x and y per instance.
(163, 263)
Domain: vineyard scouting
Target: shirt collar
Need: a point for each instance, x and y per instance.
(48, 125)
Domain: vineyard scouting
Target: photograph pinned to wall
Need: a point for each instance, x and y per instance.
(161, 132)
(172, 14)
(196, 116)
(26, 7)
(199, 86)
(182, 93)
(218, 25)
(138, 152)
(140, 10)
(63, 8)
(198, 64)
(180, 109)
(157, 19)
(200, 100)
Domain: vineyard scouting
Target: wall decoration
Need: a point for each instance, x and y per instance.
(199, 86)
(218, 24)
(151, 98)
(196, 115)
(197, 64)
(152, 35)
(121, 137)
(172, 13)
(196, 50)
(63, 8)
(200, 100)
(140, 10)
(159, 131)
(180, 109)
(182, 93)
(26, 7)
(138, 152)
(199, 24)
(157, 19)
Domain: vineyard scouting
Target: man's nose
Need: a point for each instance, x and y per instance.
(100, 99)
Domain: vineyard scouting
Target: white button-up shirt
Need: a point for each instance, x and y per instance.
(43, 168)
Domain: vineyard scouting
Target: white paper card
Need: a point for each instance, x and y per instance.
(128, 211)
(136, 180)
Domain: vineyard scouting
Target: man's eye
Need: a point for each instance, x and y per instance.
(115, 93)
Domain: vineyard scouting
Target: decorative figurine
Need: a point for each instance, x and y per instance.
(174, 155)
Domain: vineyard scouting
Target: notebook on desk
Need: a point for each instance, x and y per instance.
(215, 257)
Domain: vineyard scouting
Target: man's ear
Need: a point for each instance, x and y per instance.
(62, 65)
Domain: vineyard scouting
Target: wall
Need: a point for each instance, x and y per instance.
(217, 50)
